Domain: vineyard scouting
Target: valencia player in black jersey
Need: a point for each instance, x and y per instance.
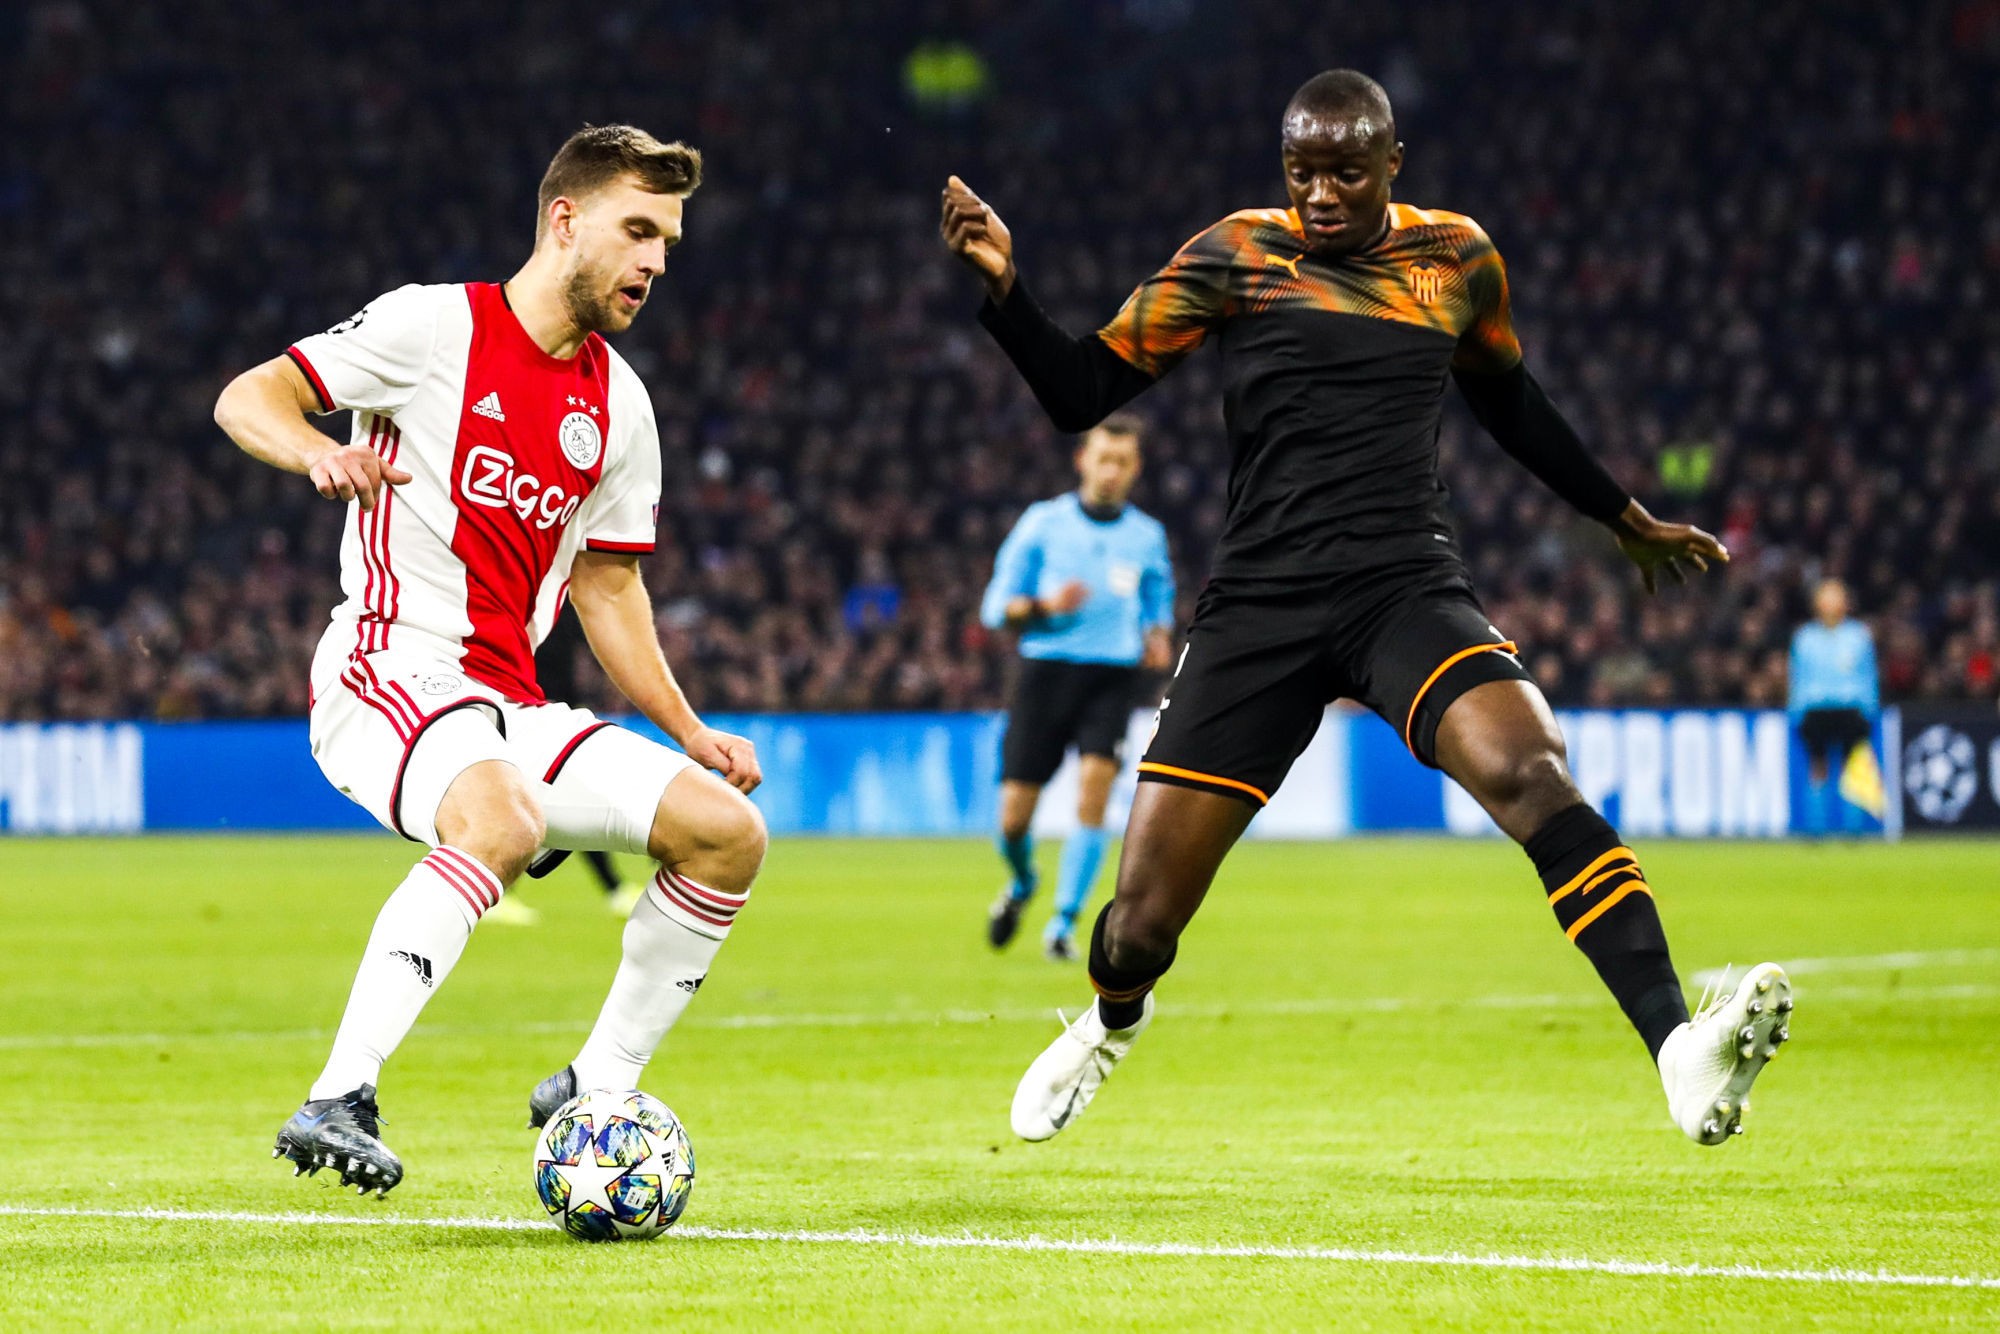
(1338, 322)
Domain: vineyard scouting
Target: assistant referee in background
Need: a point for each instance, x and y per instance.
(1835, 693)
(1086, 580)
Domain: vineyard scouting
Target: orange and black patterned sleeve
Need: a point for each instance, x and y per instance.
(1508, 401)
(1488, 343)
(1170, 313)
(1080, 381)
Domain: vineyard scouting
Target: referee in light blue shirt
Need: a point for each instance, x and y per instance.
(1086, 580)
(1834, 696)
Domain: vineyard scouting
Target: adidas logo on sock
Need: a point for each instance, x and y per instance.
(489, 406)
(691, 984)
(416, 961)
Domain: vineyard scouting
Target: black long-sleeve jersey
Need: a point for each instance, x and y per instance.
(1333, 375)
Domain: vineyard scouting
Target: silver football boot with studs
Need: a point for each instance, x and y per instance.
(1708, 1064)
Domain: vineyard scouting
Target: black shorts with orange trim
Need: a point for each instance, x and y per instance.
(1259, 670)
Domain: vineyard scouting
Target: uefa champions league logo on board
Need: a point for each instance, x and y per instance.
(1940, 773)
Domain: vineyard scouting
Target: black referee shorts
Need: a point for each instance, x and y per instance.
(1258, 672)
(1831, 734)
(1059, 704)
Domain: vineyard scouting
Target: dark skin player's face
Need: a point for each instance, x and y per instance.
(1337, 172)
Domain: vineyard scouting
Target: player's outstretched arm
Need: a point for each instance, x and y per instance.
(1511, 406)
(1078, 381)
(617, 617)
(264, 411)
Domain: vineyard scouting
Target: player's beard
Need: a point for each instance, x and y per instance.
(586, 296)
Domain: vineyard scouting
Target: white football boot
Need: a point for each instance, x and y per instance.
(1708, 1064)
(1063, 1079)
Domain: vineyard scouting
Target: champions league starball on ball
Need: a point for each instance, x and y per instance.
(614, 1165)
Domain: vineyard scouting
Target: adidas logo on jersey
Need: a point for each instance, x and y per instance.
(489, 406)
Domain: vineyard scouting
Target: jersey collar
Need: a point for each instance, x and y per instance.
(517, 333)
(1096, 515)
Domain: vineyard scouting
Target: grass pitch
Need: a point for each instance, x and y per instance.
(1376, 1063)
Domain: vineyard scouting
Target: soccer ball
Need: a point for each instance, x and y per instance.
(614, 1165)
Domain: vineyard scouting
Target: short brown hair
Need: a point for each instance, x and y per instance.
(597, 155)
(1125, 425)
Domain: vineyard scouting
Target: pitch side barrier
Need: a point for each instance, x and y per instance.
(1698, 773)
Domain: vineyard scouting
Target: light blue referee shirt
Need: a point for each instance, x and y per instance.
(1123, 561)
(1834, 668)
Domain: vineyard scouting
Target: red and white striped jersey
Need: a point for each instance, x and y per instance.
(519, 460)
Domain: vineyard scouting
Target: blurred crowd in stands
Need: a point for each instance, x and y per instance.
(1755, 254)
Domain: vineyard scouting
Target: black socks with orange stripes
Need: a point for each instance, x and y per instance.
(1603, 903)
(1121, 992)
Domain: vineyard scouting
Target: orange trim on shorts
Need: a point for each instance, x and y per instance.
(1148, 767)
(1630, 887)
(1410, 723)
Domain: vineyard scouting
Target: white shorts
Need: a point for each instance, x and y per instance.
(395, 728)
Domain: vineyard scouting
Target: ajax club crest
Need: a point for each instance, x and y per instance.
(582, 442)
(439, 683)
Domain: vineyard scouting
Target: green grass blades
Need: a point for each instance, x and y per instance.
(1379, 1054)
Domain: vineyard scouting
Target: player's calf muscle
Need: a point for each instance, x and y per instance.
(1095, 774)
(1525, 788)
(1174, 845)
(1500, 743)
(1141, 935)
(1017, 806)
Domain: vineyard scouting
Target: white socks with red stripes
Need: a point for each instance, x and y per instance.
(670, 940)
(418, 936)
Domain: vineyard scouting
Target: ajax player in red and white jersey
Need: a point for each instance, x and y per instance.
(504, 460)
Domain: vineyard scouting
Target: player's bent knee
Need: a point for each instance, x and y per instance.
(491, 813)
(743, 831)
(730, 823)
(514, 836)
(702, 820)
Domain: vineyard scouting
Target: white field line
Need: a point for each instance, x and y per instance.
(1860, 963)
(1177, 1250)
(944, 1018)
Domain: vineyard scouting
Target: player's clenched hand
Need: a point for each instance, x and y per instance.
(976, 235)
(355, 472)
(1068, 598)
(1159, 651)
(1654, 546)
(731, 756)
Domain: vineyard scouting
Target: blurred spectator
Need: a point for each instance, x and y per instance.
(1779, 238)
(945, 75)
